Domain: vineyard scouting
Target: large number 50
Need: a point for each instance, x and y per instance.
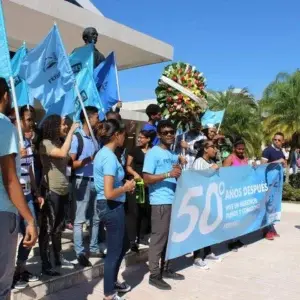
(193, 212)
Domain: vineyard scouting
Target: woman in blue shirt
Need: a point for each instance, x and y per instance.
(108, 176)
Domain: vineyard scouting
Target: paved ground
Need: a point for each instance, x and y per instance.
(264, 270)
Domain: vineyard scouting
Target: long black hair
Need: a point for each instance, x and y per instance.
(108, 129)
(200, 146)
(149, 134)
(50, 130)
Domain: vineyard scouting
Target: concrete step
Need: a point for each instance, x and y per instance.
(69, 277)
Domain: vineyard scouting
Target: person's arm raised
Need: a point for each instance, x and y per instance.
(64, 150)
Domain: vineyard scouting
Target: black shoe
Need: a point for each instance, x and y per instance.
(172, 275)
(29, 277)
(83, 261)
(159, 283)
(122, 287)
(134, 247)
(50, 272)
(97, 255)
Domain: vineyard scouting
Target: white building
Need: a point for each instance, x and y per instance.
(31, 20)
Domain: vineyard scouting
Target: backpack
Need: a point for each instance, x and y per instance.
(80, 144)
(79, 151)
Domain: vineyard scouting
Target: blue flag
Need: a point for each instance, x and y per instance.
(20, 84)
(81, 58)
(211, 118)
(5, 67)
(106, 78)
(47, 70)
(88, 92)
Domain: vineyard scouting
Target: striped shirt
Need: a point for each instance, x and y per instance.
(26, 163)
(191, 137)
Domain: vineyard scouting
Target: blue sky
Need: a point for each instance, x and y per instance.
(243, 43)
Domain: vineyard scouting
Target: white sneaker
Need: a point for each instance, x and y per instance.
(64, 264)
(201, 264)
(213, 257)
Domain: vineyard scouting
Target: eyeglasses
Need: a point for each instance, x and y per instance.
(165, 133)
(277, 140)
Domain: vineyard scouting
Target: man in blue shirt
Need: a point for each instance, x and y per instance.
(161, 169)
(153, 112)
(274, 154)
(82, 152)
(12, 200)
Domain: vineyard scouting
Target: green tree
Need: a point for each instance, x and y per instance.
(281, 107)
(242, 116)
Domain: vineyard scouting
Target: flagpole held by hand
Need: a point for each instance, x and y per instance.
(13, 90)
(85, 115)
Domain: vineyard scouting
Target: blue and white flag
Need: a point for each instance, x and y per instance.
(20, 84)
(88, 92)
(82, 57)
(5, 66)
(47, 70)
(106, 78)
(212, 118)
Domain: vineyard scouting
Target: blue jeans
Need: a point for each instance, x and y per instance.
(113, 216)
(23, 252)
(85, 197)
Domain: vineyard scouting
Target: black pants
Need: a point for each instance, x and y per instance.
(138, 218)
(160, 223)
(206, 251)
(52, 219)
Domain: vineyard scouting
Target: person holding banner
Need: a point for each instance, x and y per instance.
(55, 188)
(205, 159)
(274, 154)
(161, 169)
(236, 158)
(111, 196)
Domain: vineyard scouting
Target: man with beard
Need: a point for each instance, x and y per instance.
(12, 200)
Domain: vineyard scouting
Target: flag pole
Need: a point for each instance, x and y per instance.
(85, 115)
(117, 79)
(13, 90)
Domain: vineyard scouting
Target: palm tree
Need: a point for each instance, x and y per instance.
(281, 106)
(242, 116)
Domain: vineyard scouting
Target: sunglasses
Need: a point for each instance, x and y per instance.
(165, 133)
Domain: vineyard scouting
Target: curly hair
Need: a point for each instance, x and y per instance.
(50, 130)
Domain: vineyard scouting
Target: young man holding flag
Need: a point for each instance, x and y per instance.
(83, 150)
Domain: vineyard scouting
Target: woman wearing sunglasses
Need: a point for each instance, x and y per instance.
(205, 159)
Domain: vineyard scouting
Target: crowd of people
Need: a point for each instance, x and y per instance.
(64, 178)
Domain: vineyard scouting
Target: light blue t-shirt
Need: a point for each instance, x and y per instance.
(107, 164)
(88, 150)
(160, 161)
(9, 145)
